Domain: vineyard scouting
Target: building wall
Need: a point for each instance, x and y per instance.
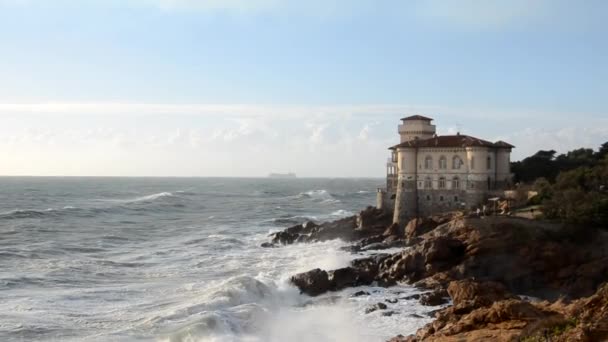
(477, 176)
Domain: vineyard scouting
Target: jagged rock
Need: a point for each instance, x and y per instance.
(394, 240)
(434, 298)
(472, 293)
(267, 245)
(284, 238)
(313, 283)
(392, 301)
(373, 219)
(399, 338)
(360, 293)
(375, 307)
(394, 229)
(370, 240)
(343, 277)
(419, 226)
(389, 313)
(415, 297)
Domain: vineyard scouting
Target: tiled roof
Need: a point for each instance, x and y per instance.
(452, 141)
(416, 117)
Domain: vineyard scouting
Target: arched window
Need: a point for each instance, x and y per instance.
(455, 183)
(428, 183)
(472, 163)
(456, 162)
(443, 163)
(489, 162)
(441, 182)
(428, 162)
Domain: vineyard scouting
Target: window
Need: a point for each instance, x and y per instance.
(428, 162)
(442, 183)
(456, 163)
(428, 197)
(428, 183)
(455, 198)
(455, 183)
(489, 162)
(394, 157)
(443, 163)
(472, 163)
(471, 185)
(419, 185)
(440, 198)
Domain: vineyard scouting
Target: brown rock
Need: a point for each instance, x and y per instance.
(313, 283)
(468, 292)
(434, 298)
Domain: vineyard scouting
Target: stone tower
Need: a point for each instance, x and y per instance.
(416, 127)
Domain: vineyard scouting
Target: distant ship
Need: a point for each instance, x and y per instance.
(282, 175)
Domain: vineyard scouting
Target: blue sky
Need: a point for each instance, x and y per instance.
(243, 88)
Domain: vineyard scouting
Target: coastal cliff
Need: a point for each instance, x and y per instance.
(488, 267)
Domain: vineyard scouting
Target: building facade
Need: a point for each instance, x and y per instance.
(428, 174)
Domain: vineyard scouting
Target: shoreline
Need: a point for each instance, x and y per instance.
(487, 268)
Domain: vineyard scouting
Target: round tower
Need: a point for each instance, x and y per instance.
(406, 204)
(416, 127)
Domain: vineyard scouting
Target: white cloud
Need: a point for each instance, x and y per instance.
(204, 140)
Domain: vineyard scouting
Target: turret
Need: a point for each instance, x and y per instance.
(416, 126)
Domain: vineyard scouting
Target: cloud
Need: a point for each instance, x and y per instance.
(482, 14)
(529, 140)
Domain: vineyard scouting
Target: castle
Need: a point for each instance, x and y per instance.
(428, 173)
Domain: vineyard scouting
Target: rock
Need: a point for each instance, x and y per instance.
(370, 241)
(375, 246)
(394, 241)
(416, 297)
(434, 298)
(468, 292)
(373, 219)
(389, 313)
(375, 307)
(312, 283)
(394, 229)
(419, 226)
(268, 245)
(284, 238)
(392, 301)
(442, 249)
(360, 293)
(343, 277)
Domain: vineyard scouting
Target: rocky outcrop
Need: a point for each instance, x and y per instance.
(480, 264)
(369, 223)
(313, 283)
(419, 226)
(435, 298)
(375, 307)
(486, 312)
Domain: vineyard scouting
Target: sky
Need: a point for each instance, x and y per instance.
(249, 87)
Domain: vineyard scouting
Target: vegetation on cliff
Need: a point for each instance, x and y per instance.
(572, 187)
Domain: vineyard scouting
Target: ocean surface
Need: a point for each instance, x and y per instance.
(179, 259)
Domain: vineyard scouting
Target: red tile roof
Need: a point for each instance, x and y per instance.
(416, 117)
(452, 141)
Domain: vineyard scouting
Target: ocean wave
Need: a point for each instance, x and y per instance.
(342, 213)
(149, 198)
(322, 196)
(89, 211)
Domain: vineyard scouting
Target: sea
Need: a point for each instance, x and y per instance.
(179, 259)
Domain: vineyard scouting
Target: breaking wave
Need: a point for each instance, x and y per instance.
(319, 196)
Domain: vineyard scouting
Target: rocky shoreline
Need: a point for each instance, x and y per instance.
(488, 267)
